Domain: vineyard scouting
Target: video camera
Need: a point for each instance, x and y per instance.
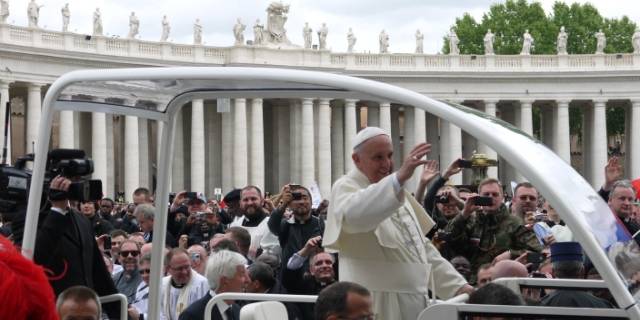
(15, 181)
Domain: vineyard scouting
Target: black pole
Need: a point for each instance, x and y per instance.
(7, 121)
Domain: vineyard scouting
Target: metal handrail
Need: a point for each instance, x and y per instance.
(453, 311)
(256, 297)
(117, 297)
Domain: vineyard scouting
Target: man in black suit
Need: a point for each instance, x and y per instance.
(225, 272)
(66, 246)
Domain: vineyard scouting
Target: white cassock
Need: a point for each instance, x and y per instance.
(175, 300)
(261, 237)
(379, 231)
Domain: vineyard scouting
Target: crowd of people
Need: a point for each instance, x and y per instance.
(392, 249)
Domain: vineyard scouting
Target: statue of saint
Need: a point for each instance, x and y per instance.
(197, 32)
(306, 34)
(419, 42)
(351, 40)
(527, 42)
(275, 33)
(134, 25)
(488, 42)
(4, 11)
(601, 42)
(165, 29)
(635, 41)
(383, 38)
(238, 32)
(33, 12)
(562, 42)
(258, 30)
(453, 43)
(322, 36)
(66, 16)
(97, 23)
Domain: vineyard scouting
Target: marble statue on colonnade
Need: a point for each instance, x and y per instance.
(166, 28)
(238, 32)
(33, 12)
(134, 25)
(306, 35)
(488, 43)
(97, 22)
(4, 11)
(419, 42)
(383, 38)
(258, 33)
(197, 32)
(322, 36)
(66, 16)
(351, 40)
(562, 42)
(601, 42)
(453, 42)
(527, 43)
(635, 41)
(276, 34)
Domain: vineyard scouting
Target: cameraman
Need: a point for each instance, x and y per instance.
(65, 245)
(293, 233)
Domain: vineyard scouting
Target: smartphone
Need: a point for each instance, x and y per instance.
(107, 243)
(534, 257)
(483, 201)
(462, 163)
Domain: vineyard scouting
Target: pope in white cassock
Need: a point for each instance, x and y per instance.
(379, 231)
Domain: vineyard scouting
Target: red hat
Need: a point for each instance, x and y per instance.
(636, 185)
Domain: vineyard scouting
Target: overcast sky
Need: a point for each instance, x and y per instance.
(400, 18)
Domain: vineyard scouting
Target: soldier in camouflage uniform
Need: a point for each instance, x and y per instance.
(490, 230)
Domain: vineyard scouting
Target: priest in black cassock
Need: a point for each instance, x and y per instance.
(567, 262)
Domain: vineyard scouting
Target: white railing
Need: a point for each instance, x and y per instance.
(259, 55)
(256, 297)
(119, 297)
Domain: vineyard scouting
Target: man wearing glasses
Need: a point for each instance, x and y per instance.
(129, 278)
(138, 309)
(182, 286)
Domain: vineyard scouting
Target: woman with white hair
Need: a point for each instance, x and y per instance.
(226, 272)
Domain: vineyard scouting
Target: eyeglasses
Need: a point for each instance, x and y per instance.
(127, 253)
(143, 271)
(367, 317)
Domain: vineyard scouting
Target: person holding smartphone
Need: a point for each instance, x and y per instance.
(486, 225)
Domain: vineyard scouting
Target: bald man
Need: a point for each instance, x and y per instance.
(379, 229)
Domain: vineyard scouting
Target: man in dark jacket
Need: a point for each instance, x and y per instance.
(294, 232)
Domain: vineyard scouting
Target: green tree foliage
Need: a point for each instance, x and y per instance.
(509, 20)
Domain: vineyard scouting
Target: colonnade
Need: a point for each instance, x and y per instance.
(269, 142)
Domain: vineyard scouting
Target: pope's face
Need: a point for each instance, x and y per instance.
(375, 158)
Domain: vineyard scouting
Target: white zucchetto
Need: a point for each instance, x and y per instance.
(368, 133)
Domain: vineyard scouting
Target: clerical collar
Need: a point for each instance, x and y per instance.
(177, 286)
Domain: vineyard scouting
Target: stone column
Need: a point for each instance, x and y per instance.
(308, 155)
(489, 109)
(197, 146)
(562, 145)
(373, 116)
(337, 141)
(99, 146)
(4, 98)
(598, 148)
(67, 127)
(131, 156)
(385, 116)
(227, 151)
(450, 146)
(419, 136)
(324, 148)
(633, 148)
(34, 112)
(350, 132)
(240, 155)
(256, 160)
(526, 116)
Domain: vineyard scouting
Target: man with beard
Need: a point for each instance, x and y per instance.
(100, 225)
(491, 230)
(525, 199)
(294, 232)
(255, 220)
(182, 287)
(129, 278)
